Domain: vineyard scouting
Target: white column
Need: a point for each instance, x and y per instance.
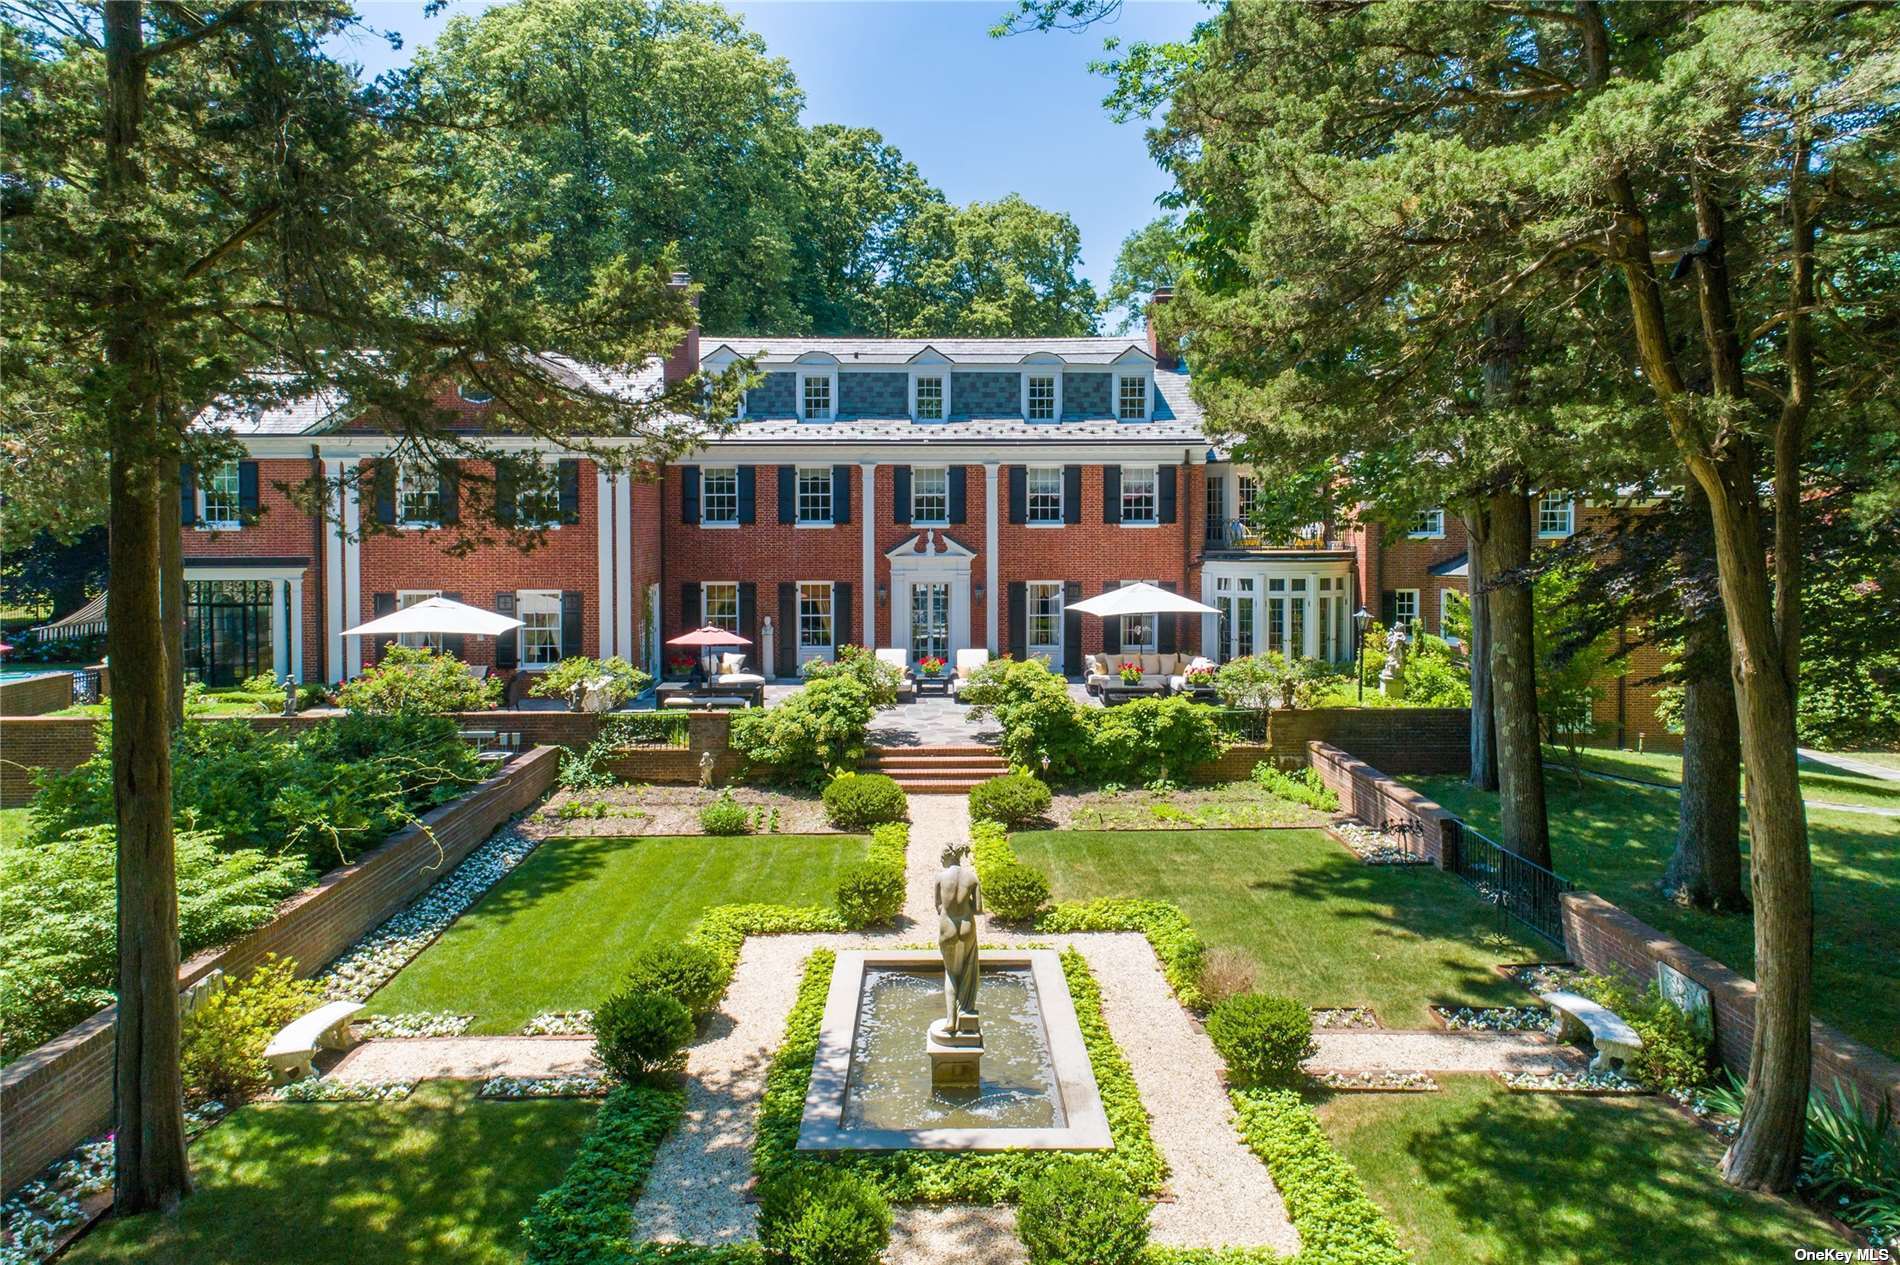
(990, 621)
(279, 630)
(296, 628)
(900, 612)
(333, 624)
(1210, 624)
(1311, 626)
(352, 577)
(867, 587)
(623, 568)
(604, 544)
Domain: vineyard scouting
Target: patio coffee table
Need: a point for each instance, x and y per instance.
(1115, 690)
(1201, 694)
(933, 685)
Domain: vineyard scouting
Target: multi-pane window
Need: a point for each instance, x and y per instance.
(1138, 494)
(1296, 618)
(1249, 496)
(409, 597)
(1405, 606)
(929, 494)
(1045, 615)
(1045, 494)
(818, 398)
(1041, 403)
(418, 495)
(219, 486)
(719, 605)
(1429, 523)
(814, 616)
(540, 614)
(1138, 631)
(930, 399)
(537, 499)
(814, 494)
(1216, 529)
(1556, 515)
(1131, 399)
(719, 494)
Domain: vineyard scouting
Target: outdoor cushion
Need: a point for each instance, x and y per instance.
(730, 661)
(969, 661)
(738, 678)
(896, 657)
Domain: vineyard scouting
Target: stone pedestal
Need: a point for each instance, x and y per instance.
(955, 1057)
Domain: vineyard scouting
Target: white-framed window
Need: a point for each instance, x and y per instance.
(1215, 528)
(220, 507)
(418, 495)
(473, 394)
(1405, 606)
(1045, 495)
(719, 495)
(1131, 397)
(1043, 607)
(539, 611)
(1428, 524)
(406, 598)
(1445, 599)
(1248, 495)
(1139, 497)
(1042, 397)
(1139, 632)
(930, 495)
(930, 397)
(719, 604)
(814, 618)
(1556, 515)
(817, 393)
(814, 495)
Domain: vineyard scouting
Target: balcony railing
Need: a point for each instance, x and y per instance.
(1235, 534)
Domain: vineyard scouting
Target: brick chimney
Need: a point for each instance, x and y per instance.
(684, 362)
(1164, 356)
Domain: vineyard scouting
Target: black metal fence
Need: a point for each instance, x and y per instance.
(1242, 724)
(1521, 891)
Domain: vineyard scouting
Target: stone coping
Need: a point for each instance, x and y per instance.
(822, 1128)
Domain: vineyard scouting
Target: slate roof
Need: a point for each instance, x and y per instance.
(897, 351)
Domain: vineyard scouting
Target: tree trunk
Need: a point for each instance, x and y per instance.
(171, 593)
(149, 1157)
(1484, 720)
(1522, 819)
(1705, 870)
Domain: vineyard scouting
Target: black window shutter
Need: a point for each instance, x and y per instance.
(689, 494)
(448, 486)
(384, 478)
(841, 494)
(788, 494)
(749, 615)
(508, 644)
(689, 604)
(1071, 625)
(187, 495)
(959, 493)
(900, 494)
(841, 615)
(1112, 626)
(1388, 608)
(1019, 494)
(381, 604)
(1112, 495)
(505, 494)
(572, 602)
(1167, 627)
(1072, 494)
(787, 621)
(748, 493)
(570, 473)
(1018, 620)
(247, 487)
(453, 643)
(1164, 492)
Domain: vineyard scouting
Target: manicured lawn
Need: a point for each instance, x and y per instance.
(1614, 839)
(558, 932)
(1820, 782)
(1230, 805)
(1320, 926)
(14, 823)
(1478, 1175)
(439, 1177)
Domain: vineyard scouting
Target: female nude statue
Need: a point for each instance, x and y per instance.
(959, 901)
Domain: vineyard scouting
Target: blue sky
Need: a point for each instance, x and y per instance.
(980, 117)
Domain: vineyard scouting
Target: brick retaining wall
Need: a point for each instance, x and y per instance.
(1382, 801)
(54, 1097)
(31, 743)
(1409, 739)
(37, 695)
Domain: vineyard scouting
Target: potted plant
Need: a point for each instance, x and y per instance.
(930, 666)
(1199, 678)
(681, 665)
(1130, 673)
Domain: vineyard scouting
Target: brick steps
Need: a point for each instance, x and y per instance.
(939, 770)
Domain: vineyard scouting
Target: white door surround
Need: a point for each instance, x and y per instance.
(930, 557)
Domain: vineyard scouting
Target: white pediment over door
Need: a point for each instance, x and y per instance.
(928, 546)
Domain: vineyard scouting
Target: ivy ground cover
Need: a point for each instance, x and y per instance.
(440, 1176)
(560, 930)
(1478, 1175)
(1320, 926)
(1614, 838)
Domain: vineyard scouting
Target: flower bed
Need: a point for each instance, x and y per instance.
(1493, 1018)
(1344, 1017)
(1544, 977)
(560, 1023)
(323, 1089)
(1570, 1083)
(1376, 847)
(1377, 1082)
(518, 1087)
(427, 1024)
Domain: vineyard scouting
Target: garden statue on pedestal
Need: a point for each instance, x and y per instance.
(1392, 676)
(706, 769)
(955, 1042)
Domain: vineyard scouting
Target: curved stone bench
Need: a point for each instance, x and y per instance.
(326, 1028)
(1616, 1042)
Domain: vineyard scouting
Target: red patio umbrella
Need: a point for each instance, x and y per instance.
(708, 636)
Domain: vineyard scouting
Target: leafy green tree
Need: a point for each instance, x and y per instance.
(41, 571)
(991, 269)
(1151, 257)
(861, 197)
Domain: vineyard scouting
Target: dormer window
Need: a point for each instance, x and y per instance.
(929, 404)
(1039, 397)
(1131, 398)
(815, 398)
(473, 394)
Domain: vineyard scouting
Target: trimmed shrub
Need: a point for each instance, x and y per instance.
(1077, 1213)
(725, 816)
(1015, 892)
(812, 735)
(222, 1048)
(417, 681)
(639, 1034)
(856, 801)
(689, 972)
(869, 893)
(1176, 943)
(1263, 1039)
(823, 1216)
(569, 679)
(1015, 799)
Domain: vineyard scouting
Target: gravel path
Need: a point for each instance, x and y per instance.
(467, 1058)
(1355, 1050)
(955, 1234)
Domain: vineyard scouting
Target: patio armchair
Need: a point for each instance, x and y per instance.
(729, 676)
(899, 659)
(968, 661)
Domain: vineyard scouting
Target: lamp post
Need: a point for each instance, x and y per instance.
(1360, 618)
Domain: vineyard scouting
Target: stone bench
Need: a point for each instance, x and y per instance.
(326, 1028)
(1616, 1042)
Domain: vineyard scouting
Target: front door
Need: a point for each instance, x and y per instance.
(929, 621)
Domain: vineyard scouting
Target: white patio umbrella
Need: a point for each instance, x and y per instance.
(437, 615)
(1140, 599)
